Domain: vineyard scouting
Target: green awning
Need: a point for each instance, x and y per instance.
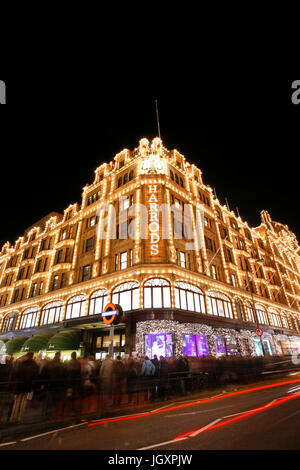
(36, 343)
(15, 345)
(64, 341)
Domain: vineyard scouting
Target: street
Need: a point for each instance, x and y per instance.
(264, 417)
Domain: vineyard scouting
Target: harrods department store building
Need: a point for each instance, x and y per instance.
(209, 297)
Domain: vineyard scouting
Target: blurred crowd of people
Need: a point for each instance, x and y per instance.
(86, 385)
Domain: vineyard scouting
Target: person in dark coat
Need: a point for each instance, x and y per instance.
(182, 370)
(74, 381)
(25, 373)
(131, 375)
(5, 384)
(119, 374)
(53, 376)
(163, 373)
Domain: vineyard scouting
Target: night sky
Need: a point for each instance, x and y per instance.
(244, 135)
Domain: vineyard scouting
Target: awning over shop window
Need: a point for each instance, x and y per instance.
(15, 345)
(36, 343)
(64, 341)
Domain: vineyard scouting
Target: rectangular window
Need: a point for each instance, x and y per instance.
(55, 283)
(182, 259)
(89, 244)
(214, 272)
(21, 274)
(124, 260)
(33, 290)
(233, 280)
(39, 265)
(16, 295)
(59, 256)
(22, 294)
(86, 273)
(41, 287)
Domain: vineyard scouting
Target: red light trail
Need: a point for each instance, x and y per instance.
(198, 402)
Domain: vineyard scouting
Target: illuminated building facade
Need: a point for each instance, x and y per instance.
(196, 285)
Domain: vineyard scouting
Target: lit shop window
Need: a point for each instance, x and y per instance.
(261, 314)
(157, 294)
(51, 313)
(29, 318)
(194, 346)
(98, 301)
(220, 345)
(189, 297)
(126, 295)
(10, 322)
(159, 344)
(76, 307)
(220, 305)
(250, 313)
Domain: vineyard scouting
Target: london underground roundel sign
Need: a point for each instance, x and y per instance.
(110, 314)
(259, 332)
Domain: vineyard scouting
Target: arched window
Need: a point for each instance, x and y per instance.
(76, 307)
(51, 313)
(284, 320)
(98, 301)
(239, 309)
(261, 314)
(250, 313)
(274, 317)
(220, 305)
(157, 293)
(10, 322)
(126, 295)
(189, 297)
(29, 318)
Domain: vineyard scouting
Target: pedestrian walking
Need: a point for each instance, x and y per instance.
(119, 375)
(148, 371)
(73, 382)
(24, 375)
(163, 370)
(54, 378)
(131, 376)
(105, 374)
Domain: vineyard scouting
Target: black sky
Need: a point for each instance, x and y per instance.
(243, 134)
